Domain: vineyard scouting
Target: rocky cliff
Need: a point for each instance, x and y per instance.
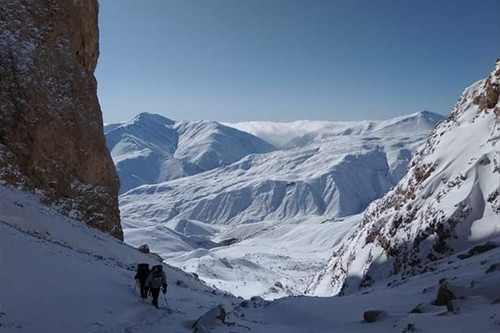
(448, 202)
(51, 131)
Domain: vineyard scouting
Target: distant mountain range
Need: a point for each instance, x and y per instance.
(192, 185)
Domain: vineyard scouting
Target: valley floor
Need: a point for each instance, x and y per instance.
(270, 259)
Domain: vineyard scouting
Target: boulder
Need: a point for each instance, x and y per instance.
(372, 316)
(143, 248)
(444, 296)
(210, 319)
(180, 283)
(409, 328)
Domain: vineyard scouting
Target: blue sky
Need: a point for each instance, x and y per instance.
(282, 60)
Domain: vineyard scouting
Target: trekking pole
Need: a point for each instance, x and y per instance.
(135, 287)
(166, 302)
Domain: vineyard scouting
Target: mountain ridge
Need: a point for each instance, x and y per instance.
(447, 202)
(151, 148)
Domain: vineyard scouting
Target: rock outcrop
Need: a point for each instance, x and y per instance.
(51, 131)
(448, 202)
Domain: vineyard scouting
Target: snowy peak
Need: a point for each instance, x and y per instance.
(448, 201)
(151, 118)
(423, 121)
(150, 148)
(209, 144)
(145, 131)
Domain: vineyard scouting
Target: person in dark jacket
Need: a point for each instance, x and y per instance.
(156, 280)
(141, 275)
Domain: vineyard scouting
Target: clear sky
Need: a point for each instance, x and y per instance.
(282, 60)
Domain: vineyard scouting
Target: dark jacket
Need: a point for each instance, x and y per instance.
(142, 272)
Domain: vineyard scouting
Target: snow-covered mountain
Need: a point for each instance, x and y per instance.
(271, 196)
(335, 174)
(151, 148)
(448, 201)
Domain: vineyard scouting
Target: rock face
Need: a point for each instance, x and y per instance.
(449, 200)
(51, 131)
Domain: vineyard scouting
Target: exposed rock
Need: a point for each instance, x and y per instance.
(180, 283)
(143, 248)
(478, 250)
(417, 309)
(227, 242)
(409, 328)
(51, 131)
(444, 296)
(493, 268)
(254, 302)
(372, 315)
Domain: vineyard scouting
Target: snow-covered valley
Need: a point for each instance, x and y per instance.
(265, 224)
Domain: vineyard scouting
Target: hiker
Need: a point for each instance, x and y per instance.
(155, 280)
(141, 275)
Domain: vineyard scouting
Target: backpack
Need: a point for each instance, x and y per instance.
(157, 272)
(142, 271)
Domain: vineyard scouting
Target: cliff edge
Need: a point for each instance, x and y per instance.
(51, 130)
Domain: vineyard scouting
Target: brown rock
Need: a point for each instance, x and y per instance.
(143, 248)
(51, 135)
(444, 296)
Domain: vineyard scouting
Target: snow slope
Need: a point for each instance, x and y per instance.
(477, 308)
(448, 201)
(151, 148)
(58, 275)
(280, 192)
